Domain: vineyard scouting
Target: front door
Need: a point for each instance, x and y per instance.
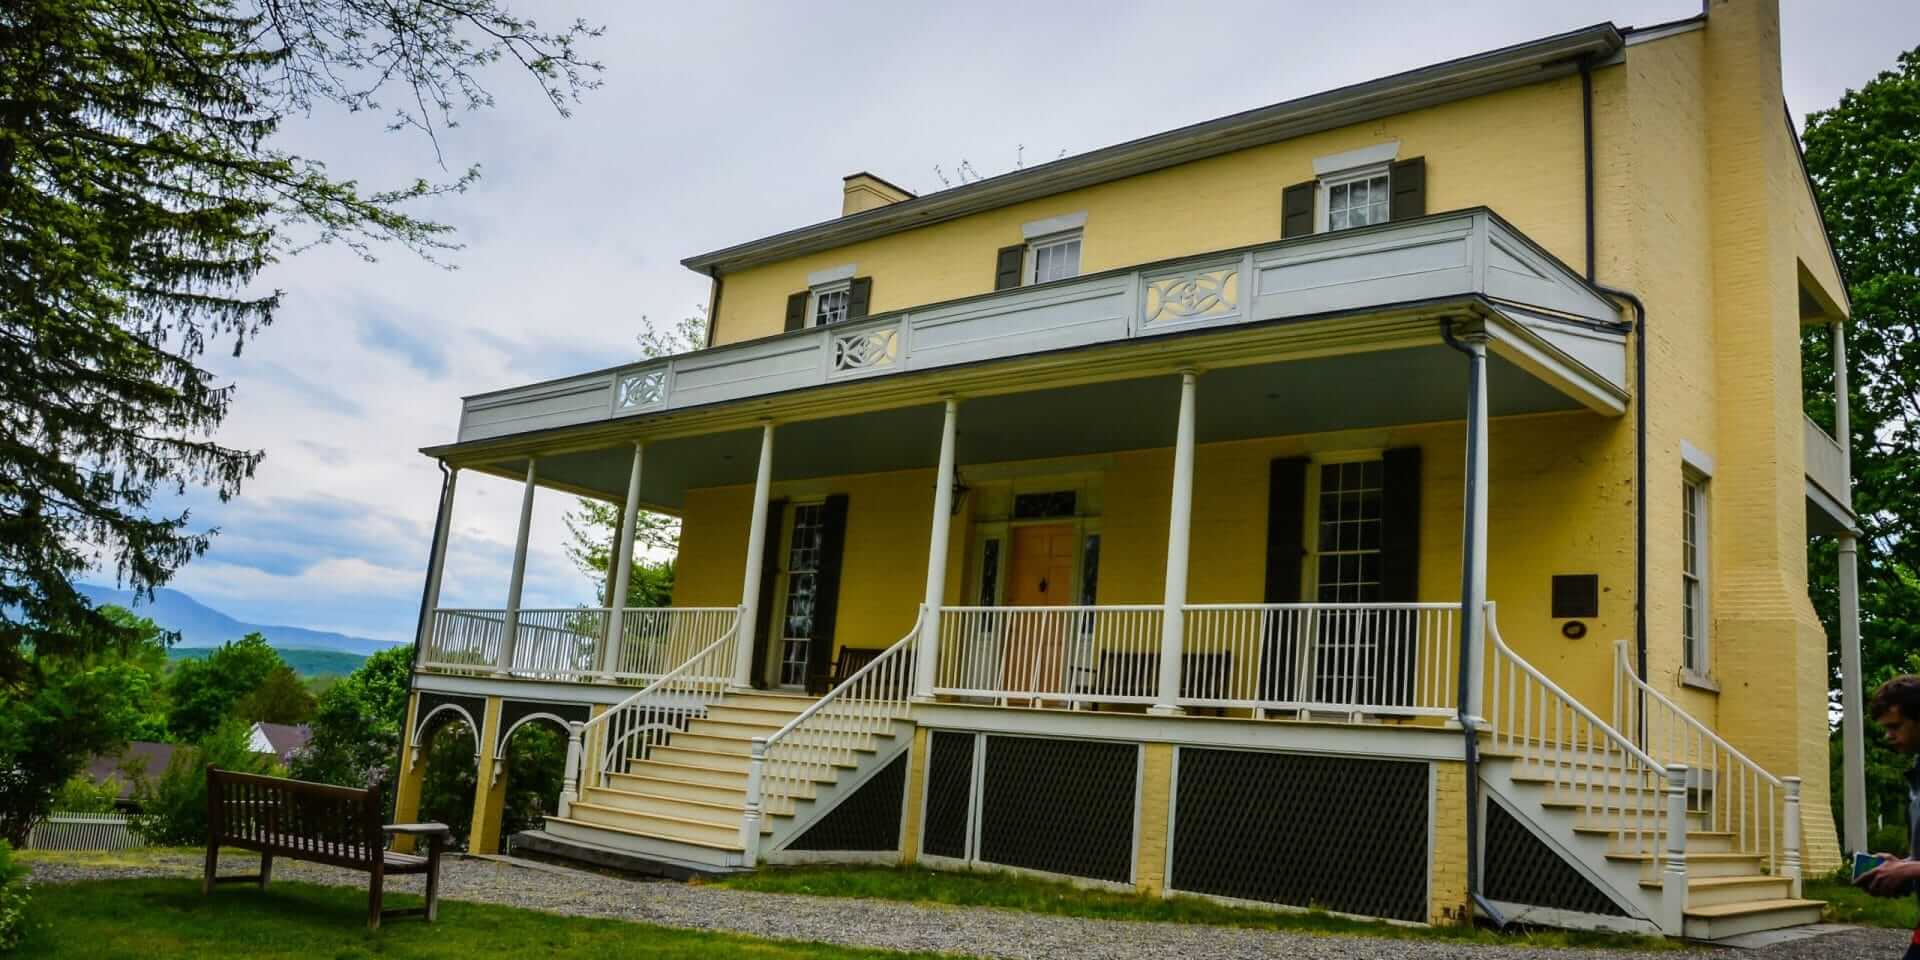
(798, 622)
(1039, 574)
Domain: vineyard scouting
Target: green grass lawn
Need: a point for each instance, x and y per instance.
(167, 919)
(1847, 903)
(1017, 892)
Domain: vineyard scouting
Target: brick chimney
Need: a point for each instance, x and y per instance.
(864, 191)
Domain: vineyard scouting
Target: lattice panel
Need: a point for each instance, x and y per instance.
(1345, 834)
(1063, 806)
(867, 820)
(949, 783)
(1521, 869)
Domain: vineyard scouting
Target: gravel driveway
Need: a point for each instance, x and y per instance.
(903, 926)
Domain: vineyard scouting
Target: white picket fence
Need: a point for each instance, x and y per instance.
(84, 831)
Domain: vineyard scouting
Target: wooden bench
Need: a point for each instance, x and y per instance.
(316, 822)
(848, 663)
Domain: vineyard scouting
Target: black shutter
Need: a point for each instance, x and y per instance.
(1296, 209)
(1400, 563)
(859, 294)
(769, 576)
(1400, 525)
(1007, 265)
(1407, 186)
(1286, 549)
(826, 590)
(797, 310)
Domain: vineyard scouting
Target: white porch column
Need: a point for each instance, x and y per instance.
(622, 568)
(926, 656)
(511, 627)
(1853, 760)
(756, 549)
(1473, 560)
(1173, 622)
(436, 565)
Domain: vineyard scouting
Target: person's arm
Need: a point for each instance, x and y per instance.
(1892, 878)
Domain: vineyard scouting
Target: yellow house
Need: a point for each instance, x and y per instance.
(1412, 473)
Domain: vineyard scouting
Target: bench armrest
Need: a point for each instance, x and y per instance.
(417, 829)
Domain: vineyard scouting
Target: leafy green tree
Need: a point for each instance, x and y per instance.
(1864, 157)
(81, 794)
(536, 768)
(447, 787)
(356, 726)
(207, 693)
(280, 698)
(173, 810)
(593, 526)
(143, 189)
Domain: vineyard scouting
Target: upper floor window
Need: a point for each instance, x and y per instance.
(1357, 200)
(1054, 258)
(830, 303)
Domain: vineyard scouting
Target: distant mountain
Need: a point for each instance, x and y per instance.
(202, 626)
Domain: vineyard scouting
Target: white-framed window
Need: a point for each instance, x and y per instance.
(1693, 573)
(1355, 198)
(1053, 258)
(830, 303)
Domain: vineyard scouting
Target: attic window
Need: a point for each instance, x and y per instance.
(1357, 199)
(830, 303)
(1054, 258)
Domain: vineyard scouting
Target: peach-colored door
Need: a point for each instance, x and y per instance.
(1039, 574)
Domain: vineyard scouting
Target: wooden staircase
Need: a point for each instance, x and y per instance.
(1730, 891)
(683, 804)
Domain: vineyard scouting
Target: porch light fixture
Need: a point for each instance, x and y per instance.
(959, 497)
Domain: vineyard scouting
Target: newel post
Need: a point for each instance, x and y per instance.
(1790, 856)
(570, 789)
(1673, 879)
(750, 821)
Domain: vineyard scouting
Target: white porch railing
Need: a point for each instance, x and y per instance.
(827, 735)
(630, 729)
(1735, 794)
(566, 644)
(1039, 656)
(1382, 658)
(84, 831)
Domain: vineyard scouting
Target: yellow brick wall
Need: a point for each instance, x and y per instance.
(1473, 157)
(1447, 902)
(1156, 793)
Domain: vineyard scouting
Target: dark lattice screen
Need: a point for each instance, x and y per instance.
(867, 820)
(949, 781)
(1341, 833)
(1063, 806)
(1521, 869)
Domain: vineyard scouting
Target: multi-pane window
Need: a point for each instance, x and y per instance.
(803, 578)
(1357, 202)
(830, 306)
(1056, 259)
(1348, 554)
(1693, 571)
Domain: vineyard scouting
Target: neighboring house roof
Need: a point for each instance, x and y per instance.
(279, 739)
(146, 759)
(1523, 63)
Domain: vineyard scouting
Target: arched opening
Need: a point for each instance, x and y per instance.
(535, 755)
(450, 753)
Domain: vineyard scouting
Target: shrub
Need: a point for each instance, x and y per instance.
(1891, 838)
(173, 812)
(13, 899)
(81, 794)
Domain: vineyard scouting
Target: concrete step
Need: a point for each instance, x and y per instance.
(612, 834)
(1715, 891)
(623, 852)
(1721, 921)
(1699, 864)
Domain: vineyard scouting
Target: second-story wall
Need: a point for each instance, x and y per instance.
(1517, 151)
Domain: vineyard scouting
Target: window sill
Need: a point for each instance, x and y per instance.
(1698, 681)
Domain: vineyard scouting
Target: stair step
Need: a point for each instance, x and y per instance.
(739, 729)
(1714, 891)
(732, 845)
(723, 811)
(788, 704)
(725, 711)
(721, 776)
(1698, 841)
(1699, 864)
(1610, 815)
(712, 760)
(1720, 921)
(673, 826)
(681, 789)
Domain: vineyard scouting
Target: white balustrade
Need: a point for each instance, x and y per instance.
(629, 730)
(1734, 794)
(654, 640)
(1050, 656)
(1384, 658)
(558, 644)
(464, 641)
(828, 735)
(565, 644)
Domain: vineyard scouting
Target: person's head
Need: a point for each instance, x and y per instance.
(1896, 708)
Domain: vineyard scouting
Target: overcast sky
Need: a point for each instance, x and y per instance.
(719, 124)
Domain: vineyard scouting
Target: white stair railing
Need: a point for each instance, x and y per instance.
(828, 735)
(630, 729)
(1735, 794)
(1592, 765)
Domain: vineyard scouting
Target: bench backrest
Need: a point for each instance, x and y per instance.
(309, 821)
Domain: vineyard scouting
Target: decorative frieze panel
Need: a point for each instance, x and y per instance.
(860, 351)
(1198, 295)
(639, 389)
